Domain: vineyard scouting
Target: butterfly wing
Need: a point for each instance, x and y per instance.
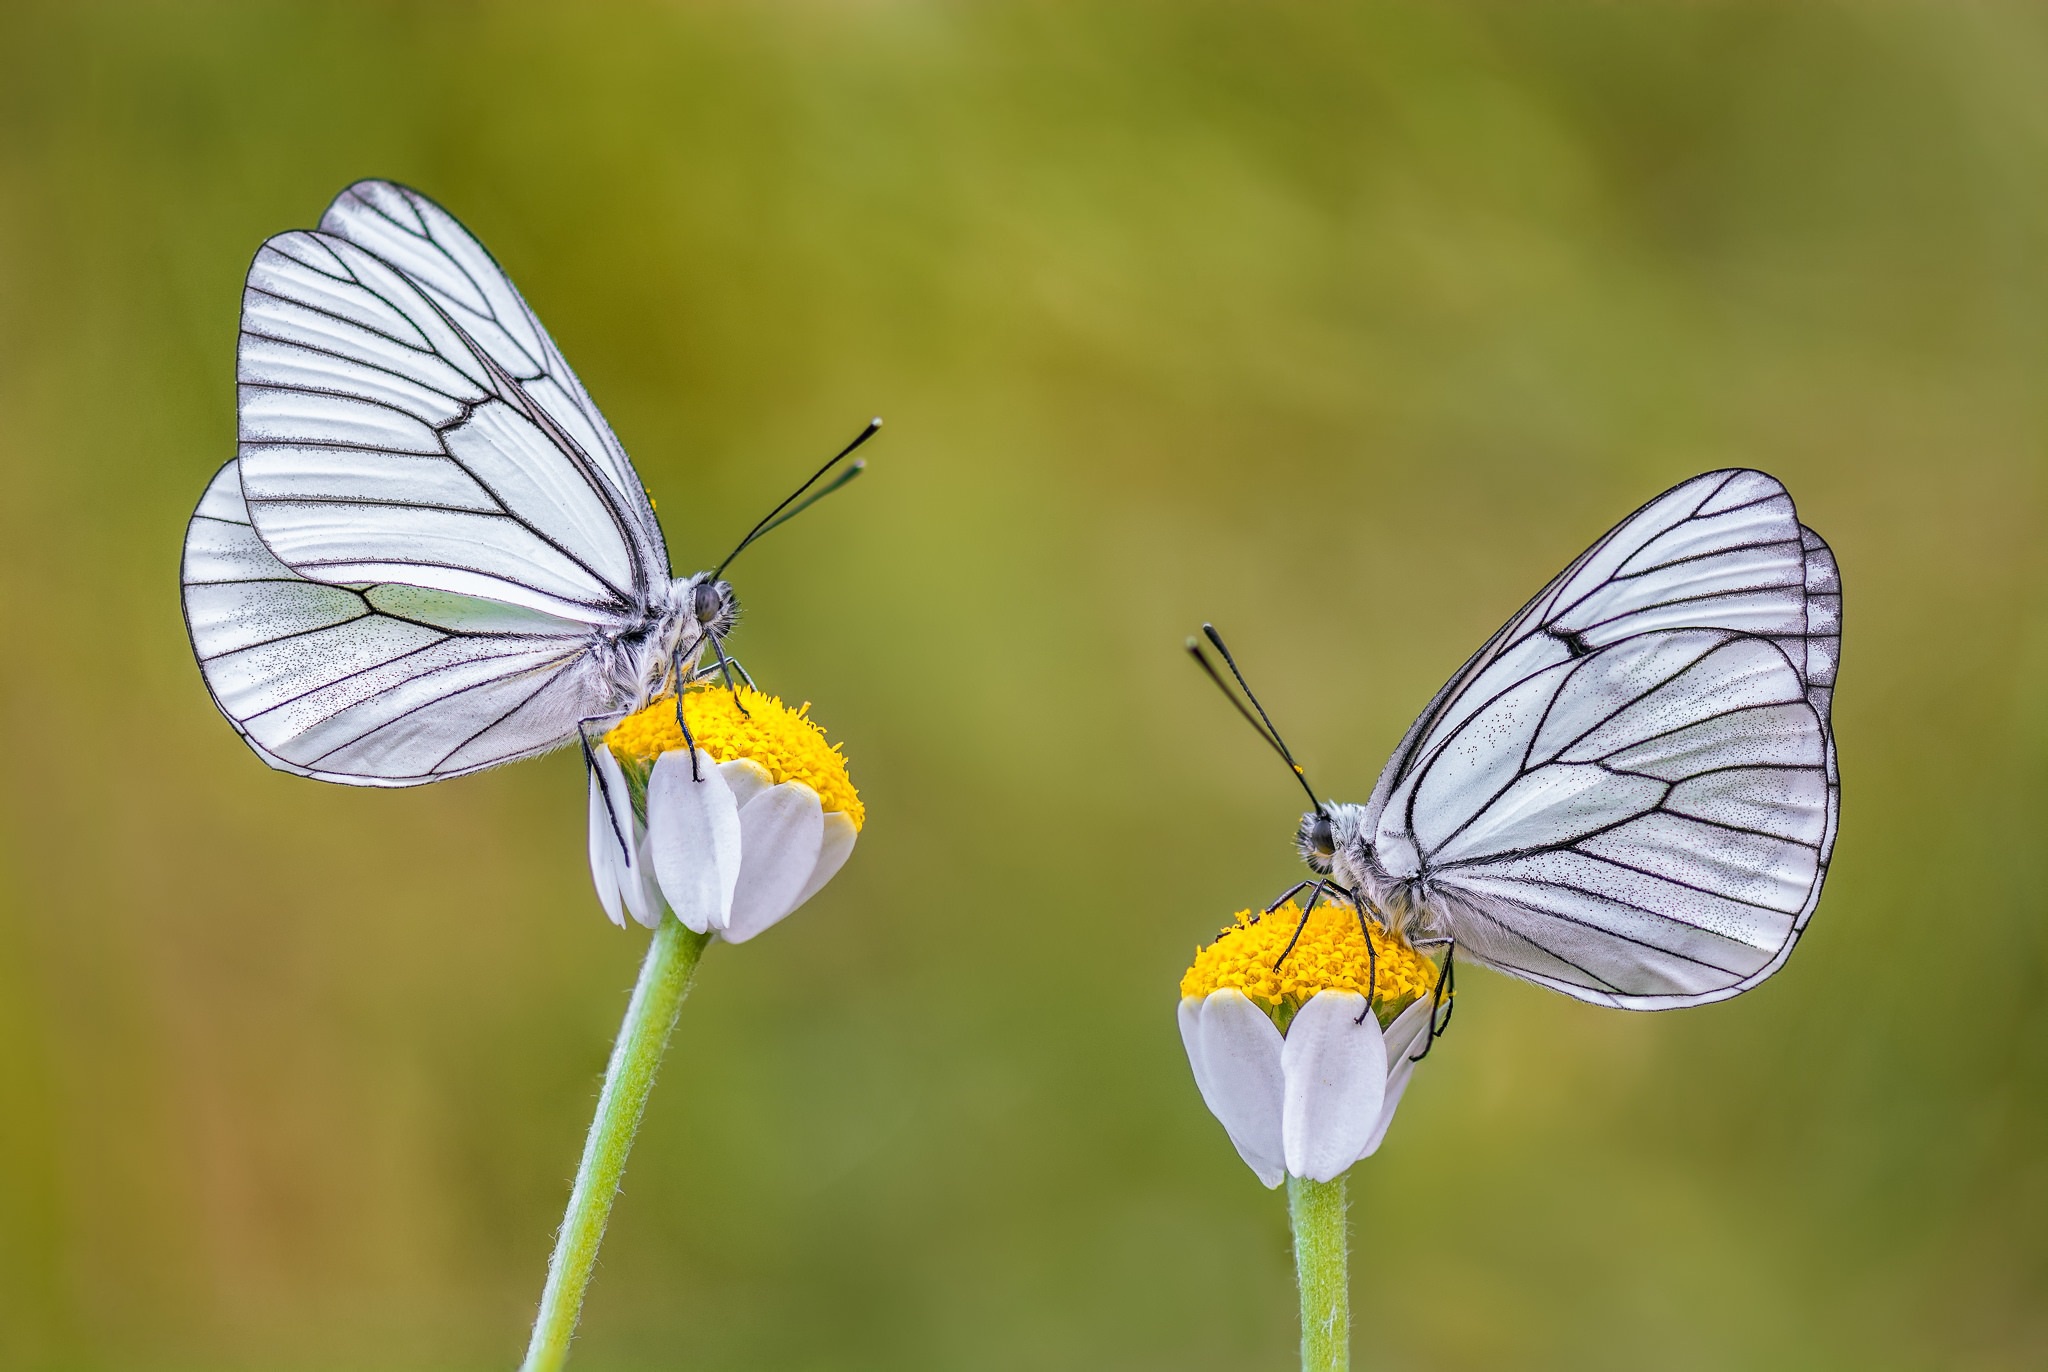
(1655, 904)
(405, 419)
(370, 684)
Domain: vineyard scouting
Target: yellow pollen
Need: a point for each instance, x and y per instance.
(784, 741)
(1329, 956)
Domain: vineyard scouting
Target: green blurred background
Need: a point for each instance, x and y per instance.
(1344, 327)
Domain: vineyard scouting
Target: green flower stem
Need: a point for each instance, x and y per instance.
(664, 980)
(1316, 1210)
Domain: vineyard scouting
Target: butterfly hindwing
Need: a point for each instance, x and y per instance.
(379, 685)
(1643, 826)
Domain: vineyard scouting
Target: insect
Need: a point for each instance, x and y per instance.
(429, 555)
(1629, 793)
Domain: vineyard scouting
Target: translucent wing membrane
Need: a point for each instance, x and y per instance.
(1820, 649)
(372, 684)
(404, 418)
(1629, 793)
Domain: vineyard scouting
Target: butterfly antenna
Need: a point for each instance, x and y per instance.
(1261, 723)
(778, 516)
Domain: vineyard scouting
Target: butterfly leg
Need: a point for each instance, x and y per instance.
(1289, 894)
(1372, 952)
(1372, 962)
(689, 739)
(1446, 984)
(683, 679)
(1313, 897)
(590, 761)
(725, 667)
(717, 669)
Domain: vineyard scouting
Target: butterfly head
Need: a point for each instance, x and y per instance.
(1331, 840)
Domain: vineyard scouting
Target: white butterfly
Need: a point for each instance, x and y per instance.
(430, 555)
(1629, 793)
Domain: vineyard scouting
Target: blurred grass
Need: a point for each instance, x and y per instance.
(1342, 326)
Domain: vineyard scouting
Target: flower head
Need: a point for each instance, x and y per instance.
(733, 840)
(1303, 1053)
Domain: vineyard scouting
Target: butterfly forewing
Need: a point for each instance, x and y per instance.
(447, 263)
(1721, 551)
(1629, 793)
(377, 446)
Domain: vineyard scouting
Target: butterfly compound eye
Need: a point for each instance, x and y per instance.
(708, 601)
(1318, 844)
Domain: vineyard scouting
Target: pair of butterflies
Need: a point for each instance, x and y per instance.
(430, 555)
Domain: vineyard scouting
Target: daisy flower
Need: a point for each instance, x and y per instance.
(732, 841)
(1303, 1032)
(1303, 1081)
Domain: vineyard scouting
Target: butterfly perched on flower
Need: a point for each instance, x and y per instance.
(1629, 793)
(430, 554)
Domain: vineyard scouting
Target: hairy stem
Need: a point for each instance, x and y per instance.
(1316, 1210)
(672, 956)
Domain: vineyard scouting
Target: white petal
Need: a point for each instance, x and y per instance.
(693, 828)
(1235, 1054)
(1190, 1016)
(1405, 1037)
(631, 879)
(747, 778)
(780, 833)
(643, 895)
(1336, 1071)
(606, 853)
(833, 852)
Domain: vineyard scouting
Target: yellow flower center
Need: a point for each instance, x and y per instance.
(1330, 955)
(784, 741)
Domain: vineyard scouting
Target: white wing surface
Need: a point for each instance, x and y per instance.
(1629, 793)
(370, 684)
(405, 419)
